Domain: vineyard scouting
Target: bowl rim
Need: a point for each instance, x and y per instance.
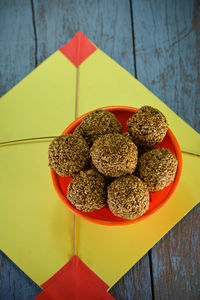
(126, 221)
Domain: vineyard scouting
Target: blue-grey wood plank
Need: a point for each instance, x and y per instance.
(17, 46)
(167, 48)
(135, 284)
(14, 284)
(167, 55)
(17, 59)
(106, 23)
(176, 261)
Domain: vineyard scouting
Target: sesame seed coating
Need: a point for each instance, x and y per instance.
(114, 155)
(157, 168)
(68, 154)
(128, 197)
(87, 190)
(97, 123)
(148, 127)
(141, 149)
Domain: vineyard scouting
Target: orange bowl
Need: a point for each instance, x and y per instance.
(105, 216)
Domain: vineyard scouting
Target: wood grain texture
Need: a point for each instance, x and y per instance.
(167, 48)
(14, 284)
(106, 23)
(17, 45)
(136, 283)
(176, 261)
(17, 59)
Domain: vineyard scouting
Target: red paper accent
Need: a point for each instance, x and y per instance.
(75, 281)
(78, 49)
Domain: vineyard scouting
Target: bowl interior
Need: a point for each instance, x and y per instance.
(105, 216)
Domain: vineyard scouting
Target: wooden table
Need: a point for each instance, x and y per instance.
(159, 43)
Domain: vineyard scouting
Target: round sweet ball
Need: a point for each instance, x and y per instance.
(87, 190)
(128, 197)
(97, 123)
(114, 155)
(148, 127)
(68, 154)
(157, 168)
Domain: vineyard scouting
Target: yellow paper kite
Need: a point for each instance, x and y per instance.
(36, 228)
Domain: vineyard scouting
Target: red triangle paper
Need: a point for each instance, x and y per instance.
(75, 281)
(78, 49)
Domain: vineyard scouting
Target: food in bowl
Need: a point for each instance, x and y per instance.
(147, 127)
(68, 154)
(128, 197)
(157, 168)
(114, 155)
(97, 123)
(87, 190)
(93, 212)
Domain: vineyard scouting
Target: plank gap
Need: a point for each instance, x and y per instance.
(35, 33)
(151, 274)
(133, 37)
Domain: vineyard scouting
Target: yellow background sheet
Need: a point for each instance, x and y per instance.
(36, 229)
(42, 103)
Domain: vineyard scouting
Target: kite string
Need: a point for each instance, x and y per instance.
(74, 232)
(76, 115)
(42, 138)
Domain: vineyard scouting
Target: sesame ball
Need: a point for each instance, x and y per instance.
(87, 190)
(157, 168)
(148, 126)
(68, 154)
(128, 197)
(114, 155)
(97, 123)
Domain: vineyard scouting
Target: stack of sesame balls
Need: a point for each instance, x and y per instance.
(108, 167)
